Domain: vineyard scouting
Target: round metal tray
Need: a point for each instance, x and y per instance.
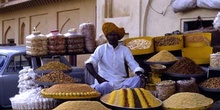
(163, 63)
(209, 89)
(47, 71)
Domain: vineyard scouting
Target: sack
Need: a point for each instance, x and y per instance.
(183, 5)
(187, 85)
(216, 22)
(211, 4)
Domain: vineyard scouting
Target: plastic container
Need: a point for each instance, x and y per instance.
(200, 55)
(56, 43)
(197, 39)
(75, 41)
(170, 43)
(36, 44)
(140, 45)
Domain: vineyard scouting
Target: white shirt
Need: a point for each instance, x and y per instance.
(111, 63)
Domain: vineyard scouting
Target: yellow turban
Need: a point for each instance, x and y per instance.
(109, 27)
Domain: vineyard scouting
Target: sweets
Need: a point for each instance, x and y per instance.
(79, 105)
(187, 100)
(162, 56)
(131, 98)
(70, 91)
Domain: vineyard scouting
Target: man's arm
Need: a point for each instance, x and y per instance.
(92, 71)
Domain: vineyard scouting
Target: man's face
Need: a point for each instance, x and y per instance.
(113, 38)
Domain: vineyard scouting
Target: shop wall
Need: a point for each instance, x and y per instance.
(18, 24)
(146, 17)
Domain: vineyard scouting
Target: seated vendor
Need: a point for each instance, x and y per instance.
(110, 59)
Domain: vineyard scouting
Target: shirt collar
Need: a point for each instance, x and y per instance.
(109, 45)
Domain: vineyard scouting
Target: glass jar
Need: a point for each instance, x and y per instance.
(75, 41)
(36, 44)
(56, 43)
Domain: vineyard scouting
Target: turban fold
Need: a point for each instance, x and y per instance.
(109, 27)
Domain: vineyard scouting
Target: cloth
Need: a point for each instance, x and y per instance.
(132, 82)
(109, 27)
(111, 63)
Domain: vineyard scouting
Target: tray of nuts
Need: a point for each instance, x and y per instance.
(53, 66)
(55, 77)
(211, 84)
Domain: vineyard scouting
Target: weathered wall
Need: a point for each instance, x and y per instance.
(20, 23)
(147, 17)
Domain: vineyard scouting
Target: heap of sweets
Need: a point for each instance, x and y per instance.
(32, 100)
(163, 56)
(70, 91)
(187, 101)
(26, 79)
(131, 98)
(79, 105)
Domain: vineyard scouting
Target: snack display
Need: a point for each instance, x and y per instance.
(75, 41)
(187, 85)
(137, 98)
(140, 45)
(163, 56)
(167, 40)
(88, 31)
(170, 43)
(78, 105)
(55, 77)
(55, 66)
(70, 91)
(187, 101)
(211, 84)
(32, 100)
(56, 43)
(197, 39)
(29, 97)
(215, 60)
(26, 79)
(185, 67)
(36, 44)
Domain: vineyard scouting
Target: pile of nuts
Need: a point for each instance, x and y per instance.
(54, 65)
(213, 83)
(195, 39)
(167, 40)
(56, 77)
(139, 44)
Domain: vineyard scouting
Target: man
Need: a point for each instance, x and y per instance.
(110, 58)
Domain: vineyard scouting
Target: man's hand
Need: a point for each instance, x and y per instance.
(143, 78)
(138, 73)
(101, 80)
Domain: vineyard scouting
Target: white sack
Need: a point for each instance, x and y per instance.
(216, 22)
(183, 5)
(211, 4)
